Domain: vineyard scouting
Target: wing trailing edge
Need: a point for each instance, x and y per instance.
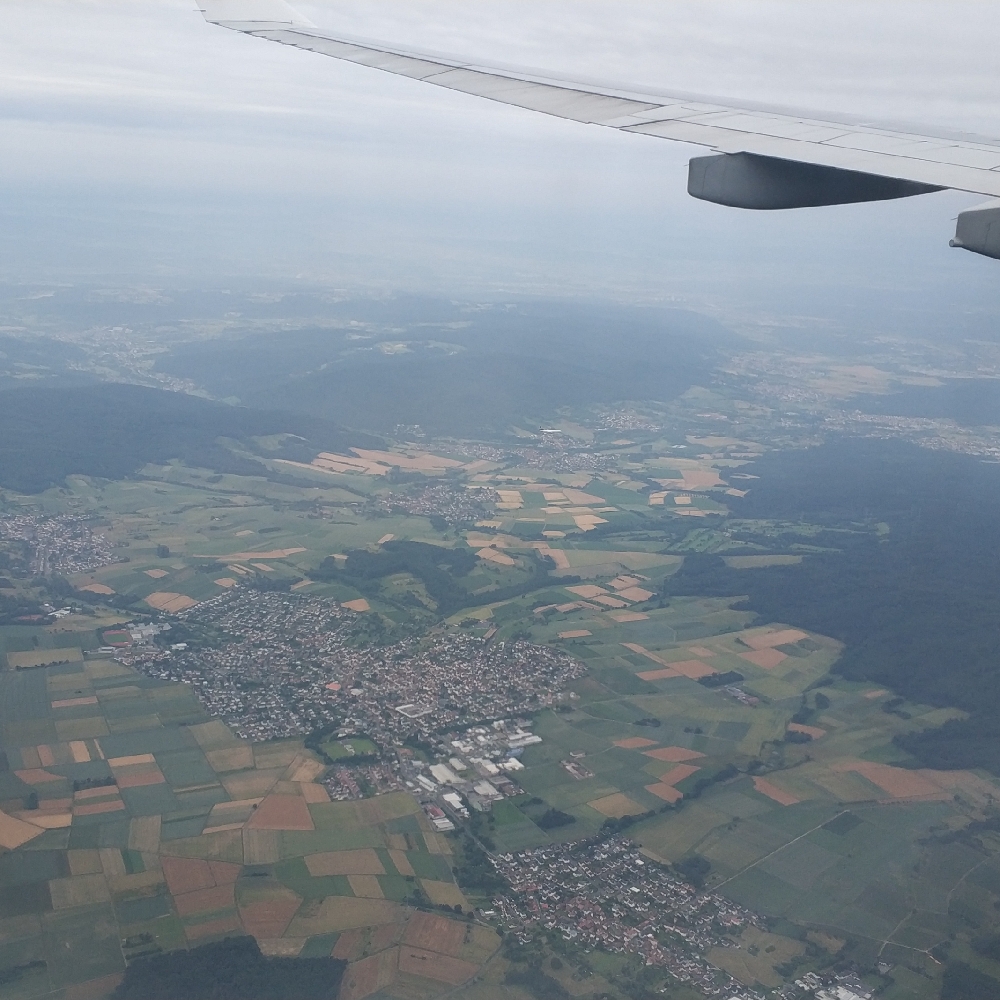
(766, 158)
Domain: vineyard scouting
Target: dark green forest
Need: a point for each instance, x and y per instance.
(233, 969)
(918, 608)
(112, 430)
(463, 372)
(438, 568)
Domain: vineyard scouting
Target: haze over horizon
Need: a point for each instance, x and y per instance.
(146, 147)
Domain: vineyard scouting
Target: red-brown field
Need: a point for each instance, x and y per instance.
(186, 875)
(896, 781)
(658, 675)
(678, 773)
(431, 965)
(348, 944)
(281, 812)
(663, 791)
(269, 919)
(634, 742)
(218, 897)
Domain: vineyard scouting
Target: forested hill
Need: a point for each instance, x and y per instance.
(111, 430)
(918, 608)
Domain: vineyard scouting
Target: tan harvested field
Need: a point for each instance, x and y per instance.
(219, 897)
(90, 699)
(282, 812)
(96, 588)
(767, 659)
(400, 860)
(370, 975)
(78, 890)
(225, 581)
(678, 773)
(624, 582)
(635, 594)
(556, 555)
(663, 791)
(495, 556)
(263, 567)
(421, 461)
(165, 600)
(772, 791)
(610, 602)
(363, 861)
(115, 805)
(587, 591)
(443, 893)
(36, 775)
(615, 806)
(305, 769)
(248, 556)
(14, 832)
(628, 616)
(765, 640)
(674, 754)
(235, 758)
(701, 652)
(576, 633)
(186, 875)
(693, 669)
(360, 604)
(44, 657)
(437, 843)
(634, 743)
(131, 761)
(156, 574)
(431, 965)
(251, 785)
(341, 913)
(151, 777)
(79, 751)
(366, 886)
(430, 931)
(760, 562)
(314, 793)
(814, 731)
(898, 782)
(657, 675)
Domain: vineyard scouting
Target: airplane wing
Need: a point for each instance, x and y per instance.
(762, 158)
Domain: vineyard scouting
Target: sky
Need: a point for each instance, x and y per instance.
(142, 145)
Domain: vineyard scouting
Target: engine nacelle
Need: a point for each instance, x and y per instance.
(746, 180)
(978, 230)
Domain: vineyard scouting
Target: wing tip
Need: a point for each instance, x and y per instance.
(249, 12)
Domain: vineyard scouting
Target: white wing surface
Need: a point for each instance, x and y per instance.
(770, 158)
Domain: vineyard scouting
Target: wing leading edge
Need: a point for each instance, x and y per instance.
(763, 159)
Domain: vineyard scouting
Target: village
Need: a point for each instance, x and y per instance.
(288, 668)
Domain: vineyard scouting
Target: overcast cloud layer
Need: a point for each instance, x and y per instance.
(141, 144)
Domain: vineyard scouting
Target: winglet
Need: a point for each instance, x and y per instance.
(242, 14)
